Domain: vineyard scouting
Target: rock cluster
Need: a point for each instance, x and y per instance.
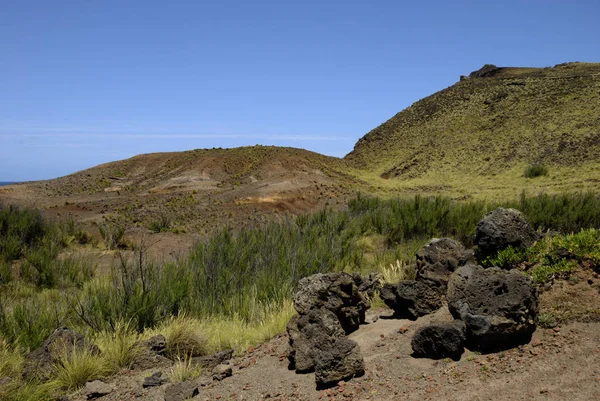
(495, 309)
(436, 261)
(329, 306)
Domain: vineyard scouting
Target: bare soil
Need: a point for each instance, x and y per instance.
(559, 364)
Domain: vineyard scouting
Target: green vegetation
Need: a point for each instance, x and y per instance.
(476, 137)
(554, 256)
(234, 289)
(535, 170)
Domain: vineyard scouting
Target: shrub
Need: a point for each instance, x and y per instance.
(535, 170)
(113, 235)
(163, 224)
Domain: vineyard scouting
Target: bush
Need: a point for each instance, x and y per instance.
(535, 170)
(163, 224)
(113, 235)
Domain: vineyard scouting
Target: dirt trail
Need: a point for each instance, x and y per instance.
(558, 364)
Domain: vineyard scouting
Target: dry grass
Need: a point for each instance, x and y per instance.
(184, 369)
(119, 348)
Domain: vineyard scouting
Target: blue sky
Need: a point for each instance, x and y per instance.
(86, 82)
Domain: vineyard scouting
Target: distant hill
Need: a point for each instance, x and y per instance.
(495, 120)
(474, 139)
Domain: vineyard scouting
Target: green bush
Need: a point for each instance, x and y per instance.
(535, 170)
(113, 235)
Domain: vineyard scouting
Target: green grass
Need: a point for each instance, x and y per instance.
(554, 256)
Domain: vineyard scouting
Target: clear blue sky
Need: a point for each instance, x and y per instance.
(85, 82)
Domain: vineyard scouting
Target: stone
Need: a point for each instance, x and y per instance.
(151, 355)
(438, 259)
(499, 307)
(410, 299)
(96, 389)
(156, 344)
(439, 340)
(149, 360)
(221, 371)
(336, 292)
(155, 379)
(181, 391)
(309, 335)
(208, 362)
(368, 285)
(39, 364)
(500, 229)
(341, 362)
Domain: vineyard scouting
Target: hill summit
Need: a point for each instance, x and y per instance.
(489, 122)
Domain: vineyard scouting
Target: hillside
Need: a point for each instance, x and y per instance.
(471, 140)
(492, 124)
(194, 191)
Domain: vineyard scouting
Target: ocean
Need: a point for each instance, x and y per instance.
(7, 182)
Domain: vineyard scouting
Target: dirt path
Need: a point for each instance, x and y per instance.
(558, 364)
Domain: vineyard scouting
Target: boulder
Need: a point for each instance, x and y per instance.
(341, 361)
(368, 285)
(151, 354)
(439, 340)
(336, 292)
(221, 371)
(155, 379)
(499, 307)
(500, 229)
(438, 259)
(309, 335)
(209, 362)
(410, 298)
(40, 363)
(96, 389)
(181, 391)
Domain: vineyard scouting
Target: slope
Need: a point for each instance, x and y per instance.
(489, 126)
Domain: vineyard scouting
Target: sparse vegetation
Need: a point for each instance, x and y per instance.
(234, 289)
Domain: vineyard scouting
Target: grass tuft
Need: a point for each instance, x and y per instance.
(76, 368)
(184, 369)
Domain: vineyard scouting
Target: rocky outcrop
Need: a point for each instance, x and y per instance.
(410, 299)
(342, 361)
(438, 259)
(310, 335)
(336, 292)
(498, 307)
(439, 340)
(500, 229)
(367, 285)
(329, 306)
(63, 341)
